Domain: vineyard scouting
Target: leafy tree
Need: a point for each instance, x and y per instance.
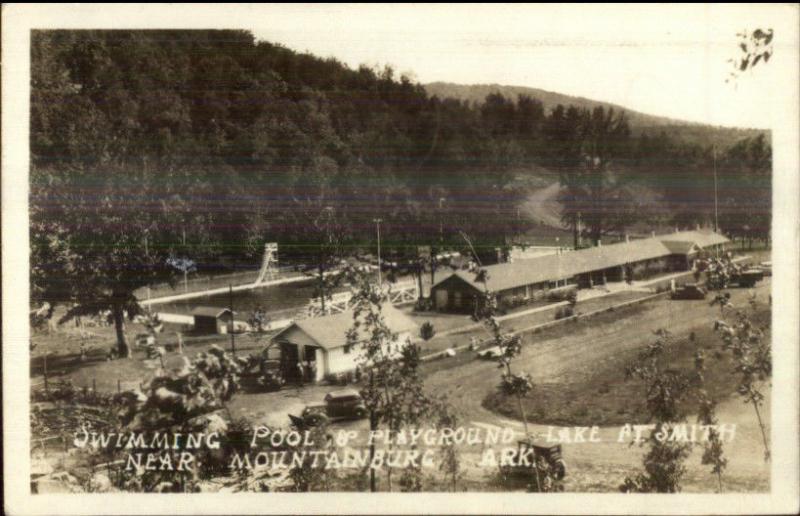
(745, 189)
(450, 465)
(755, 47)
(563, 129)
(392, 389)
(93, 244)
(751, 351)
(311, 474)
(665, 390)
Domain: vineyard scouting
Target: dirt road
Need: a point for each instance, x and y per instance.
(542, 205)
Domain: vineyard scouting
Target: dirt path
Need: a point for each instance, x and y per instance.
(542, 205)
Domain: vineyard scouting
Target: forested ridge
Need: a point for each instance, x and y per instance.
(148, 144)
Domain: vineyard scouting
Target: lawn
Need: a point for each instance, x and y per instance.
(604, 396)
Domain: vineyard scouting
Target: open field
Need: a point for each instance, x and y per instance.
(604, 396)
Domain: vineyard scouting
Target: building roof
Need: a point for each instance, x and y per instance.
(505, 276)
(680, 246)
(330, 331)
(701, 237)
(209, 311)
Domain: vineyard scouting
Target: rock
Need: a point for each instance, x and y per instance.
(211, 422)
(40, 467)
(100, 483)
(178, 366)
(163, 487)
(49, 486)
(61, 482)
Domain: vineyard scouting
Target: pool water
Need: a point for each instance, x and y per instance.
(278, 298)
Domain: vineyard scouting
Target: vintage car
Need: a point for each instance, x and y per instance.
(337, 405)
(689, 291)
(748, 277)
(262, 374)
(490, 353)
(522, 464)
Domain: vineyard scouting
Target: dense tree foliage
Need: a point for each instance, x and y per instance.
(149, 145)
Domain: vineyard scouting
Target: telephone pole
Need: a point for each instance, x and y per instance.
(716, 205)
(378, 228)
(232, 327)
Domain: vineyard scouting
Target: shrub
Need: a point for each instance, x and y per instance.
(563, 294)
(427, 331)
(564, 311)
(572, 297)
(423, 304)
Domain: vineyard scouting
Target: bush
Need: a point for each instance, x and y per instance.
(508, 303)
(564, 311)
(572, 297)
(563, 294)
(423, 304)
(426, 331)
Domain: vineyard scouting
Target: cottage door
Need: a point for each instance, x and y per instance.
(441, 299)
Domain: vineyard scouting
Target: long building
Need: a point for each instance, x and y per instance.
(535, 278)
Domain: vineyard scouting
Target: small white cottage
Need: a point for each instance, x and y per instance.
(316, 347)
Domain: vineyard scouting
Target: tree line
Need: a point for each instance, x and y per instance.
(150, 145)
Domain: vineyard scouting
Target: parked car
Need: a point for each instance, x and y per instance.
(263, 374)
(690, 291)
(337, 405)
(490, 353)
(748, 278)
(521, 469)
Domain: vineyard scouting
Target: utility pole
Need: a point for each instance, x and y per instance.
(324, 256)
(378, 228)
(716, 207)
(230, 306)
(441, 227)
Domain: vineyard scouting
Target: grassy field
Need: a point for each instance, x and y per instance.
(604, 396)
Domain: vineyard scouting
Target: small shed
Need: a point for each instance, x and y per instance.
(211, 319)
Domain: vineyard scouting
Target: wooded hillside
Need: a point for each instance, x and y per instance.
(202, 143)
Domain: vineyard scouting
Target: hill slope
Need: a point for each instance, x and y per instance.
(478, 92)
(643, 123)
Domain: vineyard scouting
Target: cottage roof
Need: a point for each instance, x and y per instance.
(553, 267)
(209, 311)
(330, 331)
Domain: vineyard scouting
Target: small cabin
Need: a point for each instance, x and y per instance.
(210, 319)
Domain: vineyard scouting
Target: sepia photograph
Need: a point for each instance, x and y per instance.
(510, 252)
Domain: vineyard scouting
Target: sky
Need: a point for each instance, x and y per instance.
(668, 60)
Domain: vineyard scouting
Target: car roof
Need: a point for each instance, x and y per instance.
(343, 393)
